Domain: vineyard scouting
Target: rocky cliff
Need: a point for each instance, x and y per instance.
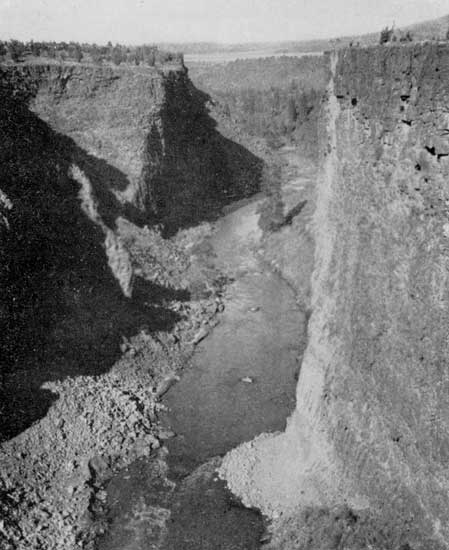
(97, 309)
(363, 461)
(149, 128)
(84, 146)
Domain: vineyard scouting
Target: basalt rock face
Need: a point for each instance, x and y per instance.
(107, 113)
(71, 163)
(371, 428)
(81, 148)
(386, 391)
(65, 277)
(161, 155)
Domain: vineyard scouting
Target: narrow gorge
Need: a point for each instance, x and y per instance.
(192, 359)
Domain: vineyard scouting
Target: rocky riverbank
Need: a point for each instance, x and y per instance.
(52, 473)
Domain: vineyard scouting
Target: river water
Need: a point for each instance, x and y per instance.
(241, 383)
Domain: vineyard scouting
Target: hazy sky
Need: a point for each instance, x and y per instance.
(138, 21)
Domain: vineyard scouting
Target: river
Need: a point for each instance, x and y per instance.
(241, 382)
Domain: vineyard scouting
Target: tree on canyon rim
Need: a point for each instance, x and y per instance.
(16, 50)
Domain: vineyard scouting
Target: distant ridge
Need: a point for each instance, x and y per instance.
(426, 30)
(435, 28)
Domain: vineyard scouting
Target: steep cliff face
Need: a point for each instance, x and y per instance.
(63, 196)
(371, 428)
(151, 128)
(106, 112)
(82, 148)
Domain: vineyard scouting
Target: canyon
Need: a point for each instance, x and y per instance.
(131, 251)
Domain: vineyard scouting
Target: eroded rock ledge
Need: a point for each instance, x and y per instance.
(371, 426)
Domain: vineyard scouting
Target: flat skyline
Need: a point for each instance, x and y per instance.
(229, 21)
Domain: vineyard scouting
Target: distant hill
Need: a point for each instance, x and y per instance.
(436, 28)
(427, 30)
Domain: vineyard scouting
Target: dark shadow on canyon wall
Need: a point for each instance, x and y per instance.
(62, 311)
(194, 170)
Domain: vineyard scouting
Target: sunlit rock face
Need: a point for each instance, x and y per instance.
(371, 428)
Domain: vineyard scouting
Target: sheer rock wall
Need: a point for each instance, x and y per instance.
(371, 428)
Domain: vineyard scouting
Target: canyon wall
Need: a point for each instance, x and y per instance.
(72, 141)
(97, 308)
(150, 130)
(81, 148)
(371, 429)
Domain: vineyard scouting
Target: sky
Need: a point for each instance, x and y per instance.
(229, 21)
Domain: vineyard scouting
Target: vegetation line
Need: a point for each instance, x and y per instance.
(150, 55)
